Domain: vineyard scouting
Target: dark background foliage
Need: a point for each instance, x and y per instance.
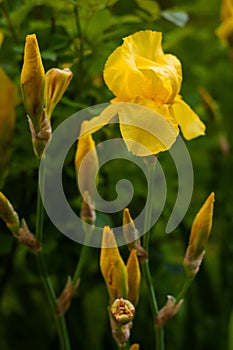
(81, 35)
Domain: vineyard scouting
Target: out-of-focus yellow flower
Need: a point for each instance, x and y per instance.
(139, 72)
(8, 100)
(86, 163)
(32, 81)
(225, 29)
(56, 83)
(122, 280)
(1, 38)
(200, 232)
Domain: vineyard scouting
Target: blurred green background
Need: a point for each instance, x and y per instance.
(81, 35)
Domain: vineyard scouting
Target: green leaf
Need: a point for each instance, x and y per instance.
(149, 6)
(179, 18)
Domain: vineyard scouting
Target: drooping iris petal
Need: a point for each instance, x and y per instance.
(96, 123)
(188, 120)
(145, 130)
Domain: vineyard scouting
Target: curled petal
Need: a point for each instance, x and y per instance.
(121, 73)
(190, 124)
(56, 83)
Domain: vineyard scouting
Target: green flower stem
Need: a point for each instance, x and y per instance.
(83, 256)
(81, 263)
(81, 40)
(59, 320)
(159, 337)
(184, 289)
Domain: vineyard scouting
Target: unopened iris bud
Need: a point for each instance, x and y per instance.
(112, 267)
(131, 236)
(129, 230)
(200, 232)
(134, 277)
(56, 83)
(9, 215)
(86, 163)
(123, 311)
(32, 81)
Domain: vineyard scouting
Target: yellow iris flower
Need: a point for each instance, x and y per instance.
(225, 30)
(138, 72)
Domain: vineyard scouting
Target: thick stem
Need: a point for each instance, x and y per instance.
(159, 338)
(59, 320)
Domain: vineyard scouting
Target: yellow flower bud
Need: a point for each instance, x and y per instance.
(86, 172)
(200, 232)
(202, 225)
(129, 230)
(134, 347)
(131, 234)
(56, 83)
(112, 267)
(9, 215)
(134, 277)
(32, 81)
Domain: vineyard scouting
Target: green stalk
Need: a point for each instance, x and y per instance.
(59, 320)
(159, 336)
(184, 289)
(80, 265)
(81, 39)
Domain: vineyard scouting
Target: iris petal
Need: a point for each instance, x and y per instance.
(145, 131)
(190, 124)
